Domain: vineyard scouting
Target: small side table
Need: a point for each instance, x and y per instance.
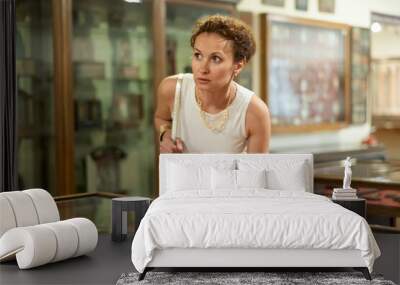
(358, 205)
(120, 208)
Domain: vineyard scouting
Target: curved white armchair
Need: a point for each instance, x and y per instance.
(30, 230)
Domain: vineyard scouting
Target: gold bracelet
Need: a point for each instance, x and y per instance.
(163, 129)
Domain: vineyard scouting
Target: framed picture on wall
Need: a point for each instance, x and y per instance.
(305, 73)
(326, 6)
(301, 5)
(275, 3)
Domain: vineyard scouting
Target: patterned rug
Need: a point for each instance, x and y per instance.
(229, 278)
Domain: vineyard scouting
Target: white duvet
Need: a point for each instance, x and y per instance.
(253, 218)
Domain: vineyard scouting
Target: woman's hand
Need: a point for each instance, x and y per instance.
(167, 144)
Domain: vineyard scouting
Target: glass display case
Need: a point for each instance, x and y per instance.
(385, 73)
(306, 88)
(100, 58)
(34, 76)
(385, 81)
(113, 96)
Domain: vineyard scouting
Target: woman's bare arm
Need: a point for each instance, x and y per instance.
(258, 126)
(165, 100)
(162, 115)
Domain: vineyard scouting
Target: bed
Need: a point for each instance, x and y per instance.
(247, 210)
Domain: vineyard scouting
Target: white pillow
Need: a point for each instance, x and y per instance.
(281, 174)
(181, 177)
(293, 180)
(251, 178)
(223, 179)
(197, 162)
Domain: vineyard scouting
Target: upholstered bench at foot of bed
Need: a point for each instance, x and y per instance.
(44, 243)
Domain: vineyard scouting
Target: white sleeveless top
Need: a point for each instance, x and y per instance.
(196, 137)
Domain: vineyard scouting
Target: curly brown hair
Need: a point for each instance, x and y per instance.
(231, 29)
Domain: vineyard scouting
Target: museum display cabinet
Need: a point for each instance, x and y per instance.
(385, 79)
(86, 73)
(112, 96)
(35, 96)
(385, 73)
(306, 88)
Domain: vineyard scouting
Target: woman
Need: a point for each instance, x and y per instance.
(216, 114)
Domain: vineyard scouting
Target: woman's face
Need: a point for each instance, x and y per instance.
(213, 62)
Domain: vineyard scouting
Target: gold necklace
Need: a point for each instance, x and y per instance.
(218, 125)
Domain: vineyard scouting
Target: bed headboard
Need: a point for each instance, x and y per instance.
(264, 159)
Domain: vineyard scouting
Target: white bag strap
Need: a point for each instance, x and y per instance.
(175, 111)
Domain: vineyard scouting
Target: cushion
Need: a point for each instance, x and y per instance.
(281, 175)
(167, 174)
(23, 208)
(40, 244)
(32, 246)
(7, 218)
(223, 179)
(26, 208)
(293, 180)
(181, 177)
(196, 161)
(67, 240)
(45, 205)
(251, 178)
(235, 179)
(87, 233)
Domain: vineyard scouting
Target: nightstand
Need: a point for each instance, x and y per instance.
(120, 208)
(358, 205)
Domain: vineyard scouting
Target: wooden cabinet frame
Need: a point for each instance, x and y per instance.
(63, 97)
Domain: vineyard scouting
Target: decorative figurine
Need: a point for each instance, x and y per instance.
(345, 193)
(347, 173)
